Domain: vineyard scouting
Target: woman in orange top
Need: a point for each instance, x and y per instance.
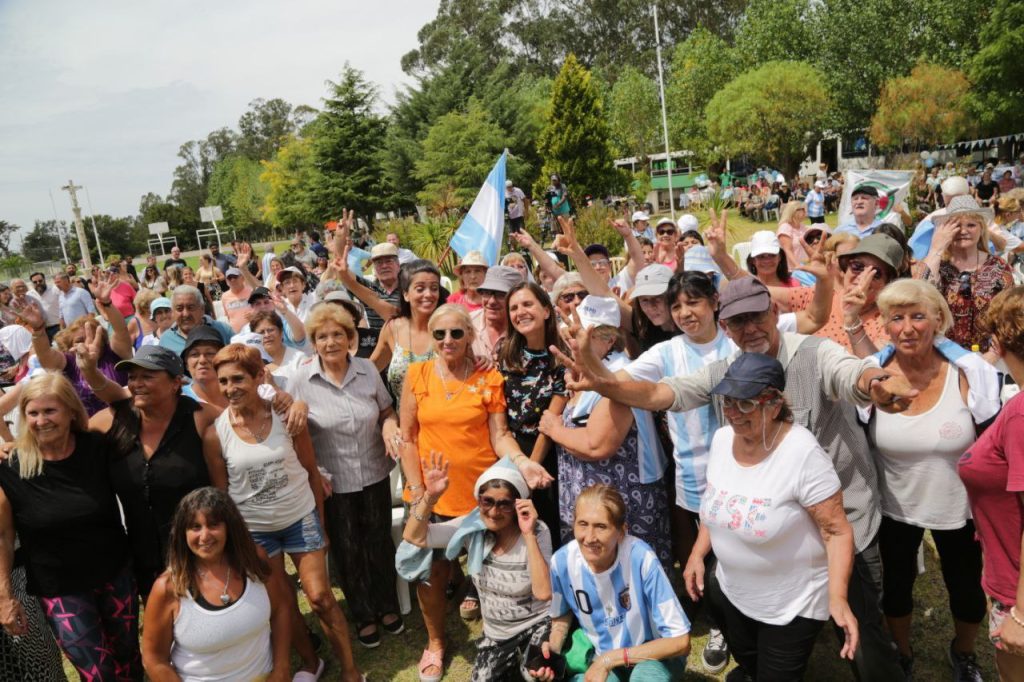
(450, 407)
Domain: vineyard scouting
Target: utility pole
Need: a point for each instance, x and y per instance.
(92, 219)
(664, 116)
(83, 244)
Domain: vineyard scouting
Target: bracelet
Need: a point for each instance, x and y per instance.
(416, 516)
(1013, 615)
(411, 488)
(853, 328)
(515, 458)
(102, 302)
(625, 657)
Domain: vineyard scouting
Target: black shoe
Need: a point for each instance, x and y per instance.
(716, 653)
(738, 674)
(907, 663)
(370, 640)
(965, 666)
(396, 627)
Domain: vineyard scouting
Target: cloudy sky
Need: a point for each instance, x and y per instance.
(105, 92)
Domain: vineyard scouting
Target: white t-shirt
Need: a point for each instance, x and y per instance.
(15, 341)
(771, 559)
(286, 370)
(691, 431)
(507, 605)
(514, 198)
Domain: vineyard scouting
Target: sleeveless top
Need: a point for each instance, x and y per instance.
(399, 365)
(917, 459)
(266, 479)
(232, 643)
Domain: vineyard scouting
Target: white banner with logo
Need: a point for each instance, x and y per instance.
(892, 185)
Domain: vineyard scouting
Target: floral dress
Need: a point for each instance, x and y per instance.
(968, 295)
(629, 471)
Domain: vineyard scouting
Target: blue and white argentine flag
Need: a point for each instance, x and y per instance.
(484, 226)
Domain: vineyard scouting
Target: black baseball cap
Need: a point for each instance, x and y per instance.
(155, 357)
(750, 375)
(865, 188)
(204, 333)
(258, 293)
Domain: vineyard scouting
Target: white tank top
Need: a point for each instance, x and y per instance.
(266, 480)
(227, 644)
(917, 460)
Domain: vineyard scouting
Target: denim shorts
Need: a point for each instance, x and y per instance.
(305, 535)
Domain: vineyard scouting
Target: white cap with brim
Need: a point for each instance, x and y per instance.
(503, 470)
(653, 280)
(698, 258)
(640, 215)
(764, 242)
(288, 272)
(256, 341)
(596, 311)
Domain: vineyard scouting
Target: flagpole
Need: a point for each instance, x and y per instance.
(664, 115)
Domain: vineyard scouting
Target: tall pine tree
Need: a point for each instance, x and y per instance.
(575, 143)
(349, 136)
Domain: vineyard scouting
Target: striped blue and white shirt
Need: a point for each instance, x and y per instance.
(627, 605)
(691, 431)
(651, 456)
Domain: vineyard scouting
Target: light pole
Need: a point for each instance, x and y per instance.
(83, 244)
(664, 115)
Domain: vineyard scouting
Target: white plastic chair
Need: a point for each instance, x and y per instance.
(740, 252)
(766, 212)
(397, 528)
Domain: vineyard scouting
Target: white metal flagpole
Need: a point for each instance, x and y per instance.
(664, 115)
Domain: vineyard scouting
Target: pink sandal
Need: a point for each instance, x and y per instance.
(429, 658)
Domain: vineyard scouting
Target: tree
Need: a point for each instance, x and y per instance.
(192, 177)
(42, 243)
(701, 65)
(776, 29)
(235, 186)
(289, 177)
(459, 152)
(927, 107)
(6, 230)
(575, 141)
(264, 127)
(769, 113)
(349, 135)
(997, 70)
(634, 114)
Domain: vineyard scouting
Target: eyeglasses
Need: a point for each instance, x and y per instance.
(965, 285)
(572, 295)
(813, 238)
(667, 230)
(859, 266)
(38, 281)
(456, 333)
(740, 321)
(505, 506)
(490, 293)
(601, 262)
(747, 405)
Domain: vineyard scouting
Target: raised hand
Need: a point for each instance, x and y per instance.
(815, 264)
(88, 353)
(435, 478)
(622, 227)
(243, 254)
(108, 282)
(856, 297)
(27, 311)
(715, 235)
(526, 515)
(568, 225)
(522, 238)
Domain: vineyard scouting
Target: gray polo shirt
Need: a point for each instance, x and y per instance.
(821, 389)
(344, 422)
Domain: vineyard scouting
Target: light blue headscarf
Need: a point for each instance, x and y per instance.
(413, 563)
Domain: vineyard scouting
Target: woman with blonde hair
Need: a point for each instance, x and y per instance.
(451, 407)
(791, 233)
(917, 463)
(959, 264)
(215, 614)
(210, 276)
(56, 494)
(172, 278)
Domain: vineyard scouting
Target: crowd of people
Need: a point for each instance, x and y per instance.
(587, 456)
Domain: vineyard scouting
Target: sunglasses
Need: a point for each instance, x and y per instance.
(490, 293)
(667, 230)
(37, 281)
(601, 262)
(503, 506)
(573, 295)
(746, 406)
(813, 238)
(859, 266)
(965, 285)
(456, 333)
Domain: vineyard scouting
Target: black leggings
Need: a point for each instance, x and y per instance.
(768, 653)
(959, 557)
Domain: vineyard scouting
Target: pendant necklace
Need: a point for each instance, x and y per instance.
(224, 596)
(449, 395)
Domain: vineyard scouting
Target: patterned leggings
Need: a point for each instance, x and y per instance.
(32, 657)
(99, 630)
(505, 661)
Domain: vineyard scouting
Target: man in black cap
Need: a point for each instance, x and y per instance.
(824, 384)
(864, 209)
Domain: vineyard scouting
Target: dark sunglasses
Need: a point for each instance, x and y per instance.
(569, 297)
(503, 506)
(455, 333)
(667, 230)
(490, 293)
(38, 281)
(965, 285)
(813, 237)
(860, 266)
